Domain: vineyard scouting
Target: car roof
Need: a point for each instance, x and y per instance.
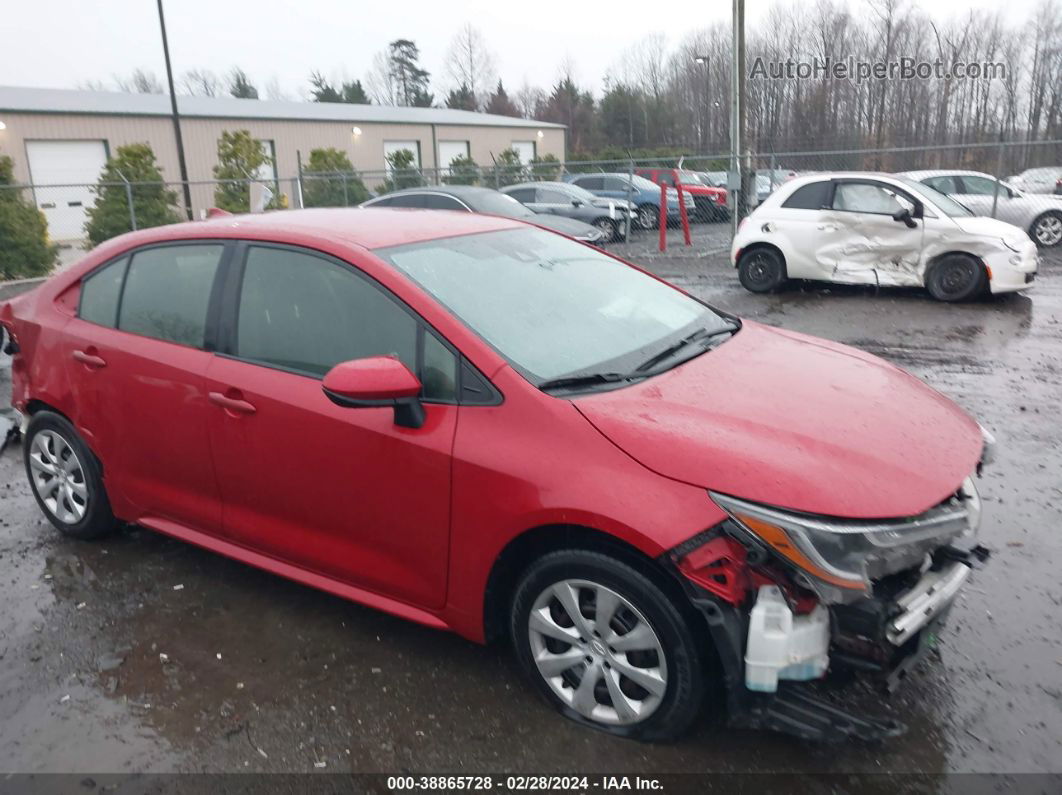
(942, 172)
(542, 184)
(364, 227)
(452, 190)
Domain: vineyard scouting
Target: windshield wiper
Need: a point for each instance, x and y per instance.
(700, 335)
(588, 379)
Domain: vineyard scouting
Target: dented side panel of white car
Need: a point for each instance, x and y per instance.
(867, 248)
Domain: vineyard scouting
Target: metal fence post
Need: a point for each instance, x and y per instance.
(630, 189)
(772, 171)
(999, 170)
(346, 198)
(128, 199)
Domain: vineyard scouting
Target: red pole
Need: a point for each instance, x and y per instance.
(682, 210)
(662, 217)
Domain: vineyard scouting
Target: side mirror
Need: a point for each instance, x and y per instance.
(576, 203)
(904, 216)
(376, 381)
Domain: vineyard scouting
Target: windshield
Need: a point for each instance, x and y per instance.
(550, 306)
(497, 204)
(942, 201)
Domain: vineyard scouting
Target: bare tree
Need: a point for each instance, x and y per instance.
(529, 99)
(469, 63)
(141, 81)
(201, 83)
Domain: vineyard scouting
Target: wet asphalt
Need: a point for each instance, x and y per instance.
(138, 653)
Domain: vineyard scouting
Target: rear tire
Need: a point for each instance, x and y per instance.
(65, 477)
(955, 277)
(761, 270)
(646, 667)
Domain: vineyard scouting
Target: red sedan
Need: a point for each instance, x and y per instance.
(486, 427)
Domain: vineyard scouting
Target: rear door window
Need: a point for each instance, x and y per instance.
(406, 200)
(167, 292)
(943, 184)
(523, 195)
(590, 183)
(439, 201)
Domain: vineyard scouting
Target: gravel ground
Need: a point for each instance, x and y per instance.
(106, 665)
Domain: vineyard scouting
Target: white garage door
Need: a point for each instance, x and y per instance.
(394, 146)
(448, 150)
(72, 167)
(526, 150)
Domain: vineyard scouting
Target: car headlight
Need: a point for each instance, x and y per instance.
(839, 558)
(1014, 243)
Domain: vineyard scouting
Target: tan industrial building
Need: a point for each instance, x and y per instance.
(63, 137)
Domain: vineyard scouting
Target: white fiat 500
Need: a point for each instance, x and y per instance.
(860, 228)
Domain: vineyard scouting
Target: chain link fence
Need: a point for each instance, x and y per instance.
(1017, 182)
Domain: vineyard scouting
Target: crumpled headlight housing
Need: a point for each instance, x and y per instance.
(838, 558)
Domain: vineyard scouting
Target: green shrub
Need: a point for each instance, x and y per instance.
(25, 250)
(329, 180)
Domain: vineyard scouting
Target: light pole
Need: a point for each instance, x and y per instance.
(702, 60)
(176, 117)
(737, 180)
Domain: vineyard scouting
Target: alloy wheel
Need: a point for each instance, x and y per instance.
(648, 217)
(606, 227)
(1048, 230)
(597, 652)
(58, 477)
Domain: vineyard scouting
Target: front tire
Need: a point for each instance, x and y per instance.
(606, 646)
(955, 277)
(65, 477)
(1046, 230)
(608, 228)
(648, 216)
(761, 270)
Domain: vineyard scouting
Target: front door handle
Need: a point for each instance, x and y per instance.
(827, 227)
(231, 403)
(89, 358)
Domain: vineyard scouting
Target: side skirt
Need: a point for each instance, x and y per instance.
(291, 572)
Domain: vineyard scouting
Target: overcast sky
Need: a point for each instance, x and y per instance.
(61, 43)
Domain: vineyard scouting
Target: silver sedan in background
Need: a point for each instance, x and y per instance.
(1038, 214)
(571, 201)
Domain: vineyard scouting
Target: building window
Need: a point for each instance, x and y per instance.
(268, 170)
(526, 150)
(448, 152)
(390, 147)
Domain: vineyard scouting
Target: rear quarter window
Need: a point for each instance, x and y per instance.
(814, 196)
(100, 292)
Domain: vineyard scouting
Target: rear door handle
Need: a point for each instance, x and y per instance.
(89, 358)
(237, 404)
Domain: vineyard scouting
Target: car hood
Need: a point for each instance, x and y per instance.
(796, 422)
(987, 227)
(566, 226)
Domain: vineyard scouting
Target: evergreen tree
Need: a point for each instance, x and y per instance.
(25, 250)
(329, 180)
(153, 203)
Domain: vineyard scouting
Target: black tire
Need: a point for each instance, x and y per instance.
(81, 473)
(648, 216)
(608, 227)
(1046, 229)
(955, 277)
(683, 659)
(761, 270)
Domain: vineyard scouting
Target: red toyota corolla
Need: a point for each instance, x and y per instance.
(489, 428)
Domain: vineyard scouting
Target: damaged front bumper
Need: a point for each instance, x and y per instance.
(775, 632)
